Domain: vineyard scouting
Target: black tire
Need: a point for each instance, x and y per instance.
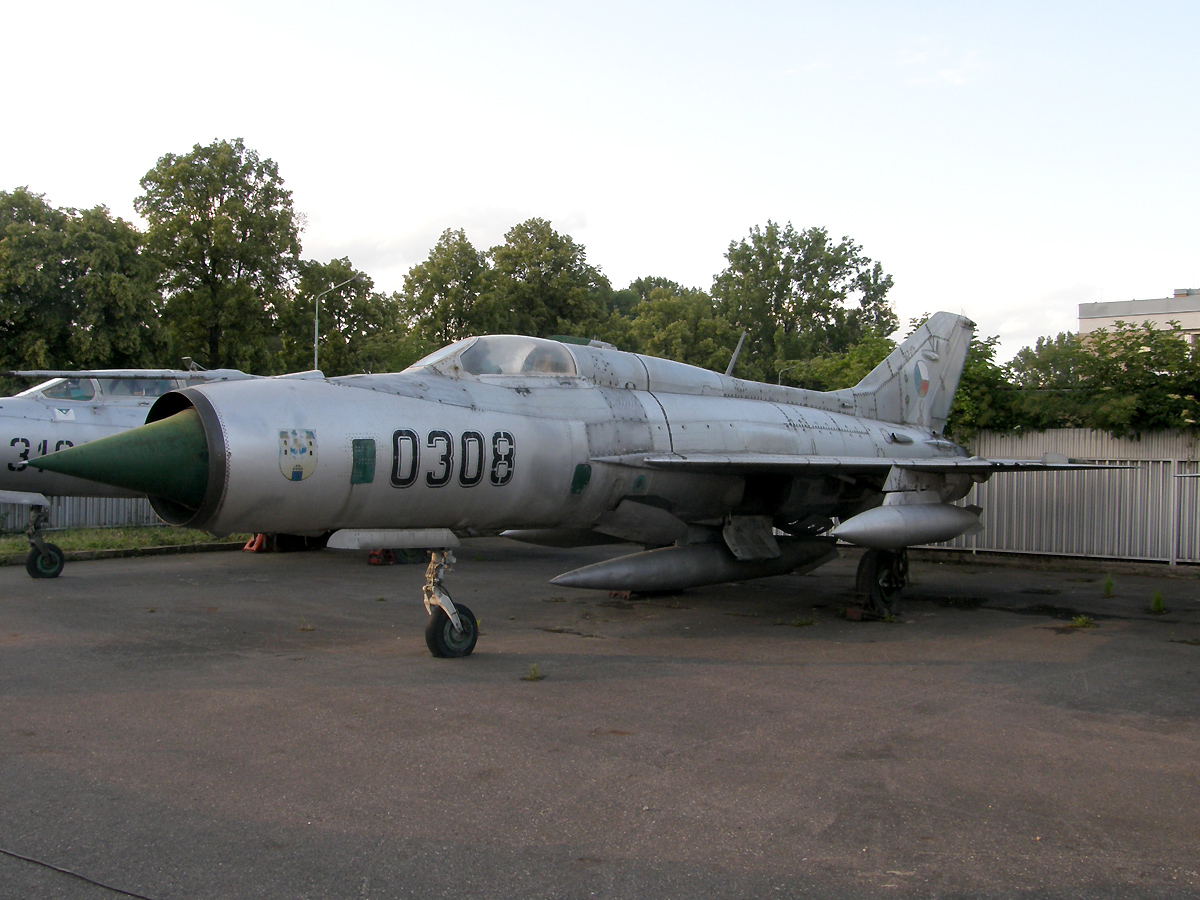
(882, 575)
(45, 565)
(441, 638)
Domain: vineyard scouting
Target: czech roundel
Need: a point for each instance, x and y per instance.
(922, 375)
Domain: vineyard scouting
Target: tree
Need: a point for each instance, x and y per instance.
(540, 283)
(36, 314)
(1128, 380)
(227, 238)
(839, 369)
(75, 289)
(440, 294)
(984, 397)
(1052, 384)
(681, 324)
(115, 298)
(800, 295)
(1146, 378)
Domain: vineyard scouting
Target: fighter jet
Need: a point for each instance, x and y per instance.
(69, 409)
(568, 444)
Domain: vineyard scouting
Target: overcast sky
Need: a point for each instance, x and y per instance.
(1004, 160)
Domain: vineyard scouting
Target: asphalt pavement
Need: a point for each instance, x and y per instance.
(234, 725)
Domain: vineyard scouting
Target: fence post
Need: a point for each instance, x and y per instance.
(1174, 560)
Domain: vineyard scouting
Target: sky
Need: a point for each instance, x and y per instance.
(1007, 161)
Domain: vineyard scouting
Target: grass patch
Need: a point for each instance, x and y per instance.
(1082, 622)
(1157, 607)
(114, 539)
(1108, 584)
(800, 622)
(534, 674)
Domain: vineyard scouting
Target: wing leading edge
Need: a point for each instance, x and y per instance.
(781, 463)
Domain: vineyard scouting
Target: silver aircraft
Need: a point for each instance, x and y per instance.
(69, 409)
(568, 444)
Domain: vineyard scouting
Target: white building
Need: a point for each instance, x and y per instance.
(1183, 308)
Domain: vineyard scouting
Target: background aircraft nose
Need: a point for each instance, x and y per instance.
(167, 459)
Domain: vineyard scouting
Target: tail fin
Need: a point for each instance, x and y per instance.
(915, 385)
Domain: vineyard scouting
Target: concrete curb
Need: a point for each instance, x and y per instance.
(1048, 563)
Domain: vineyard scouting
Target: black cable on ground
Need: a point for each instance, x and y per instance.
(99, 884)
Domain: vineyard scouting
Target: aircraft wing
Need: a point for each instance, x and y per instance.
(782, 463)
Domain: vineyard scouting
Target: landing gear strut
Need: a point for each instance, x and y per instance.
(882, 574)
(45, 560)
(452, 630)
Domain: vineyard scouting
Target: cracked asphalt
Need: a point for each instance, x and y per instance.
(271, 726)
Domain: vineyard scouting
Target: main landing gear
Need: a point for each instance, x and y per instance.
(452, 630)
(45, 560)
(882, 574)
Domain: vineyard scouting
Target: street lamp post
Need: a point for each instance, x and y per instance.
(317, 314)
(791, 365)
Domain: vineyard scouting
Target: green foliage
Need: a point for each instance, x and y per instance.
(800, 295)
(1107, 585)
(836, 370)
(1157, 606)
(681, 324)
(1132, 379)
(540, 283)
(440, 294)
(113, 292)
(984, 397)
(1082, 622)
(75, 291)
(224, 232)
(537, 282)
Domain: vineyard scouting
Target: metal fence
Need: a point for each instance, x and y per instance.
(1142, 513)
(84, 512)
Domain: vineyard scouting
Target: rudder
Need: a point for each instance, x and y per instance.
(915, 385)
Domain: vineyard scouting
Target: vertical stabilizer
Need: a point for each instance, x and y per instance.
(915, 385)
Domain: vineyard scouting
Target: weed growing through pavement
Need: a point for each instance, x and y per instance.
(534, 674)
(1108, 585)
(1157, 607)
(1082, 622)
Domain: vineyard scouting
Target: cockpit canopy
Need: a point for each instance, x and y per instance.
(503, 354)
(84, 388)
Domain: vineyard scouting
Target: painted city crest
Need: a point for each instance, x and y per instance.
(297, 453)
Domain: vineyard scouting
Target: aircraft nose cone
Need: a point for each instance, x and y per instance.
(167, 459)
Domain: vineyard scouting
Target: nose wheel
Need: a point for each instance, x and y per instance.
(452, 630)
(446, 641)
(882, 574)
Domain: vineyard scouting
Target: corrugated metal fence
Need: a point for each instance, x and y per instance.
(1143, 513)
(84, 512)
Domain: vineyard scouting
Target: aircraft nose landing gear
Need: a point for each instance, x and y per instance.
(882, 574)
(452, 630)
(45, 560)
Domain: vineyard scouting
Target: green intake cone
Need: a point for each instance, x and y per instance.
(168, 459)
